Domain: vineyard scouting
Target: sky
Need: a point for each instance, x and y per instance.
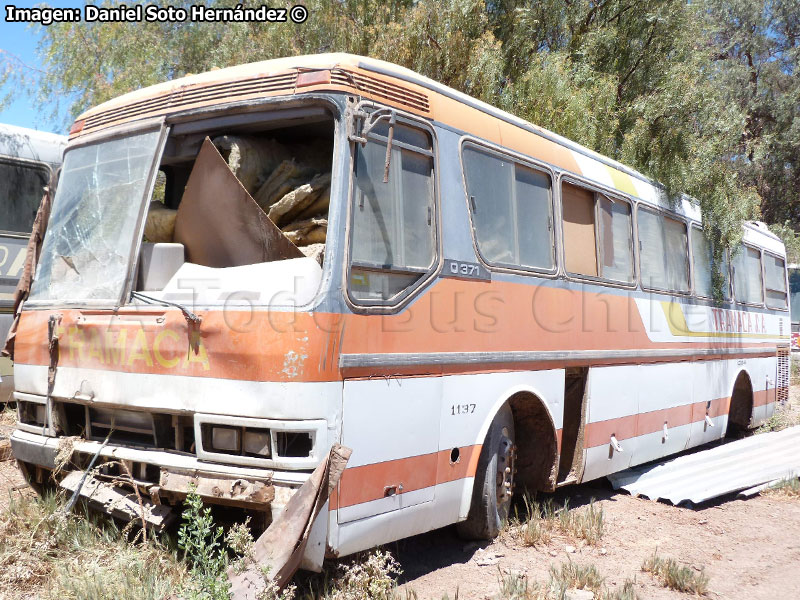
(19, 39)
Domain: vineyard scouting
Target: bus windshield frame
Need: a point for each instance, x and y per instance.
(96, 221)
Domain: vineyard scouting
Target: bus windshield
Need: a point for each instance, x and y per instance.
(90, 236)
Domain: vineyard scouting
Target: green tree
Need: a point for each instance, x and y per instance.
(757, 56)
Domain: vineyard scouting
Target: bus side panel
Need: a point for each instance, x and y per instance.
(612, 409)
(397, 446)
(763, 376)
(712, 381)
(665, 410)
(392, 426)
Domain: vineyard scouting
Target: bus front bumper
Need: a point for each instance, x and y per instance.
(160, 475)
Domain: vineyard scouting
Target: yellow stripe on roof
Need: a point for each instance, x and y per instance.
(622, 181)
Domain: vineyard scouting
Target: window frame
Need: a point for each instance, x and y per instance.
(693, 225)
(686, 223)
(615, 196)
(524, 161)
(736, 300)
(787, 293)
(403, 298)
(35, 165)
(114, 133)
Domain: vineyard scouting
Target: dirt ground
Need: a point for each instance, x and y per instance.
(750, 549)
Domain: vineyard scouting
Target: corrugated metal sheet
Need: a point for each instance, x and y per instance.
(722, 470)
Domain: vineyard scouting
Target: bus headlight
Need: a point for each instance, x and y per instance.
(226, 439)
(256, 442)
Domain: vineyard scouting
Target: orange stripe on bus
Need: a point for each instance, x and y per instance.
(764, 397)
(371, 482)
(451, 316)
(599, 433)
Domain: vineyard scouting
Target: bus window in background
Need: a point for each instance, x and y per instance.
(703, 265)
(747, 281)
(775, 281)
(794, 303)
(21, 188)
(663, 251)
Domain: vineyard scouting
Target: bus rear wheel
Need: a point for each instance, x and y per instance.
(494, 481)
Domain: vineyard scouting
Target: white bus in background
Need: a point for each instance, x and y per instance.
(28, 160)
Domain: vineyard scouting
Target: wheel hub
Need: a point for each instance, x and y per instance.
(506, 469)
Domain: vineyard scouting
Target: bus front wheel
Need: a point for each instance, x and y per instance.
(494, 481)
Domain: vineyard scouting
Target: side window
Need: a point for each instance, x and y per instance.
(747, 282)
(597, 234)
(511, 211)
(21, 190)
(393, 227)
(703, 265)
(775, 281)
(580, 243)
(664, 252)
(616, 239)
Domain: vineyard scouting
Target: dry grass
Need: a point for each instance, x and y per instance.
(515, 586)
(784, 417)
(45, 553)
(574, 576)
(543, 520)
(676, 576)
(8, 416)
(785, 488)
(787, 414)
(569, 576)
(367, 576)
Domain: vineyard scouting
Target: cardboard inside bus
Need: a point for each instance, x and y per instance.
(231, 195)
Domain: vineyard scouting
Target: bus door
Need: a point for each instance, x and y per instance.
(392, 426)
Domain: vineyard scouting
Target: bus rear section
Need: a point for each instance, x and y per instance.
(28, 162)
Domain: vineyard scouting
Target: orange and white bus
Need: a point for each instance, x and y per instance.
(472, 304)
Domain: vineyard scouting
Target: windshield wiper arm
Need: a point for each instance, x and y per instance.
(188, 315)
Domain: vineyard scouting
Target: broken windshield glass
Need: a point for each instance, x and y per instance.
(88, 245)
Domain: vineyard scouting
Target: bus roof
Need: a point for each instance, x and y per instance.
(30, 144)
(316, 62)
(380, 80)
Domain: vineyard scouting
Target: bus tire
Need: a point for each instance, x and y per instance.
(494, 481)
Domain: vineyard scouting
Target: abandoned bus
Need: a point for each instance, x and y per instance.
(28, 159)
(245, 266)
